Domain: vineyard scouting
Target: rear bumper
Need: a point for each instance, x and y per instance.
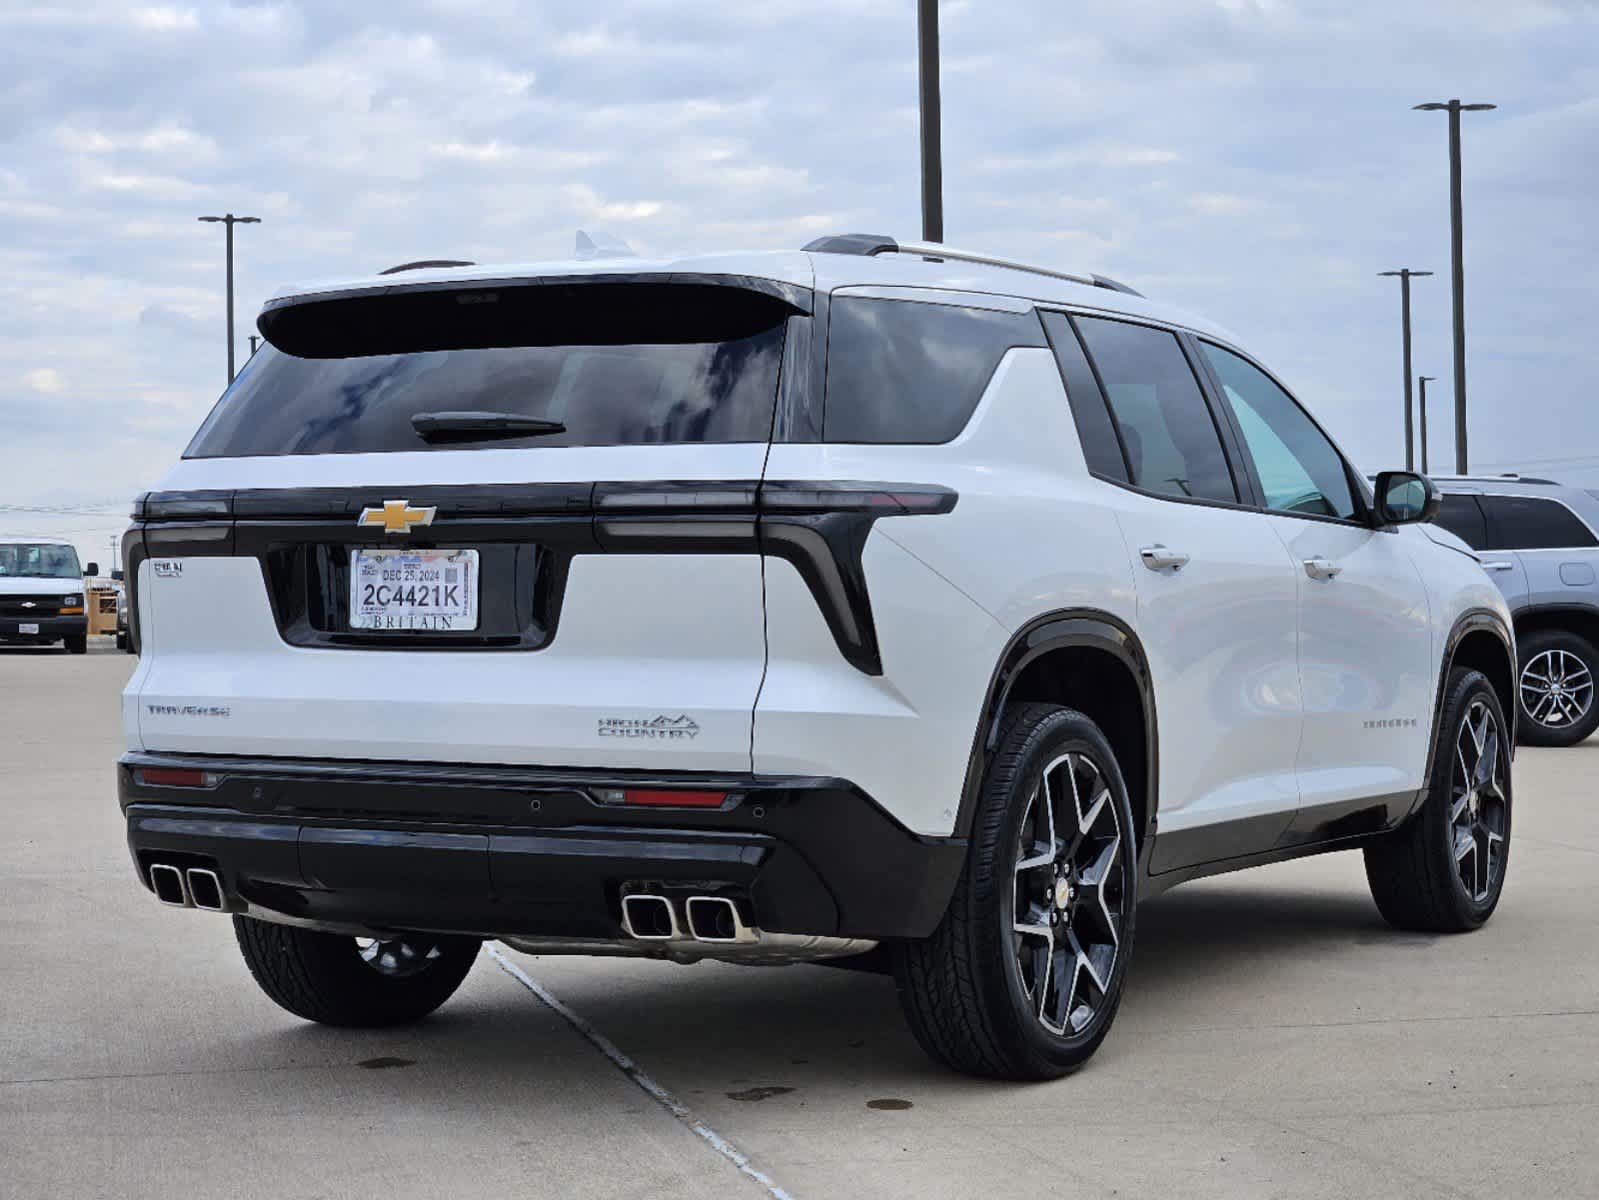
(520, 851)
(50, 629)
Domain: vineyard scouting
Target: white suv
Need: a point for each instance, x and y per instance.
(866, 600)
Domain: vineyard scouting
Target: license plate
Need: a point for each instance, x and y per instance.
(32, 627)
(424, 591)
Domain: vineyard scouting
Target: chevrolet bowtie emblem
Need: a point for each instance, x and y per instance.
(397, 516)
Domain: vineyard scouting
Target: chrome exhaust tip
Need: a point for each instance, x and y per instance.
(205, 889)
(167, 884)
(717, 919)
(649, 918)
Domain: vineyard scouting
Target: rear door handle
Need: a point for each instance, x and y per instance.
(1158, 558)
(1320, 568)
(1498, 566)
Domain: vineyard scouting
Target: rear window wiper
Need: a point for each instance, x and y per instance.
(480, 426)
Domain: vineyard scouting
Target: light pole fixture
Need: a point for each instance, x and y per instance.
(932, 123)
(1454, 108)
(1424, 380)
(1405, 276)
(230, 221)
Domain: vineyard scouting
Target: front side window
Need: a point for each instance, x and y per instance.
(1300, 470)
(32, 560)
(911, 373)
(1526, 523)
(1171, 441)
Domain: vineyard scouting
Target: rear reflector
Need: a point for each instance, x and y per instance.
(673, 799)
(175, 777)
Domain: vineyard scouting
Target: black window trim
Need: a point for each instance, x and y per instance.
(1071, 314)
(1492, 524)
(1364, 501)
(1098, 397)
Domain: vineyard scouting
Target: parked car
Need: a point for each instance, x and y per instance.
(123, 641)
(41, 593)
(1537, 539)
(778, 607)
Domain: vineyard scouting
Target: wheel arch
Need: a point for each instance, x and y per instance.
(1092, 661)
(1580, 619)
(1479, 639)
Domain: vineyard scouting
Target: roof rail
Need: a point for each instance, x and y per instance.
(873, 244)
(1501, 477)
(423, 264)
(1495, 477)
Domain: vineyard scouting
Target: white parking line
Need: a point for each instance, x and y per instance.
(637, 1074)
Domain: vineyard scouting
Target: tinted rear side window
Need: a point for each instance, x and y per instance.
(617, 365)
(906, 372)
(1461, 517)
(1171, 440)
(1524, 523)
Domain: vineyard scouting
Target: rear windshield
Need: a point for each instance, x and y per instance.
(615, 365)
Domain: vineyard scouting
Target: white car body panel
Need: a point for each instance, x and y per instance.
(1366, 660)
(690, 643)
(1220, 633)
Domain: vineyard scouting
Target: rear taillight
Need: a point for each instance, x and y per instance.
(661, 798)
(181, 777)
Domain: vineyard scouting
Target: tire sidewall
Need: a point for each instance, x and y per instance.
(1058, 731)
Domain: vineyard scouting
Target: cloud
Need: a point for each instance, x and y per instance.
(164, 19)
(45, 379)
(1220, 204)
(1253, 160)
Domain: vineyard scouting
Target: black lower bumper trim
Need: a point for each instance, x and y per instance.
(506, 850)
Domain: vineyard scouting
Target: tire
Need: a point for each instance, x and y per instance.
(971, 990)
(122, 641)
(1419, 873)
(77, 644)
(324, 977)
(1556, 688)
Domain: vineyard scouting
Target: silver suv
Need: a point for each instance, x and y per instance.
(1536, 538)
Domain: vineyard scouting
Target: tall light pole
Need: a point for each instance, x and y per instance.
(932, 123)
(230, 221)
(1424, 380)
(1405, 276)
(1454, 108)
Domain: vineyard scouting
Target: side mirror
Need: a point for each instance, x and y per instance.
(116, 575)
(91, 570)
(1406, 498)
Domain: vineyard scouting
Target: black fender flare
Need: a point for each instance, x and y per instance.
(1472, 620)
(1059, 630)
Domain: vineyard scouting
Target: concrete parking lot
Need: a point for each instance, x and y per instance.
(1277, 1040)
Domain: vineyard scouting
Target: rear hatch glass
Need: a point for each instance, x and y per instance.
(590, 364)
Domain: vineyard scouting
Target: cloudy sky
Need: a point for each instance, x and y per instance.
(1253, 160)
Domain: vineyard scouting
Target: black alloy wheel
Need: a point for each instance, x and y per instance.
(1023, 976)
(1443, 870)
